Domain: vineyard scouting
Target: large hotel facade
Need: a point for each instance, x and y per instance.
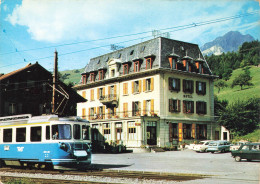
(158, 93)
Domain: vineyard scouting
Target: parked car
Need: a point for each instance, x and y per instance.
(237, 146)
(202, 146)
(249, 151)
(218, 146)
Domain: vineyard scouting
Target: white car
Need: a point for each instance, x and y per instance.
(202, 146)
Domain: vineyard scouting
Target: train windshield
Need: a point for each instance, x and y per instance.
(61, 131)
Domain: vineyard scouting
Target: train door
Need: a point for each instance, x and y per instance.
(151, 133)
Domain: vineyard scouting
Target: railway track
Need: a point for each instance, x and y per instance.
(134, 175)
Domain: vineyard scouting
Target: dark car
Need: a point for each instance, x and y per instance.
(249, 151)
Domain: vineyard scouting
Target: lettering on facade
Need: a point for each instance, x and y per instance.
(137, 124)
(6, 148)
(187, 96)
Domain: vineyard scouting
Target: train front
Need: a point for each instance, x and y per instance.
(70, 147)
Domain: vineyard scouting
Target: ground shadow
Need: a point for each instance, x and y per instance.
(107, 166)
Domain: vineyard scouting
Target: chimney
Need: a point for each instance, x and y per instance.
(55, 80)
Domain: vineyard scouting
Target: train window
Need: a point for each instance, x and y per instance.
(20, 134)
(85, 132)
(76, 131)
(8, 135)
(47, 132)
(36, 134)
(61, 131)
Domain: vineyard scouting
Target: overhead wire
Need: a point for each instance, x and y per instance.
(145, 32)
(180, 28)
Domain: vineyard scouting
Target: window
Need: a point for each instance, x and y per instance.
(62, 131)
(201, 131)
(101, 112)
(136, 86)
(132, 52)
(187, 131)
(92, 113)
(36, 134)
(136, 66)
(136, 108)
(7, 135)
(76, 131)
(201, 107)
(174, 84)
(172, 62)
(85, 132)
(200, 88)
(20, 134)
(131, 131)
(92, 77)
(188, 86)
(125, 88)
(84, 79)
(101, 93)
(94, 132)
(125, 69)
(148, 84)
(47, 133)
(112, 73)
(101, 74)
(148, 63)
(188, 106)
(106, 127)
(173, 131)
(174, 105)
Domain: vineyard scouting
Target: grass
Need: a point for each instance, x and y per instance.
(252, 137)
(235, 94)
(73, 76)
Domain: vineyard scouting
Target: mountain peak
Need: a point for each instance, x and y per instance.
(227, 43)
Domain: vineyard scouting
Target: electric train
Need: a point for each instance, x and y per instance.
(46, 141)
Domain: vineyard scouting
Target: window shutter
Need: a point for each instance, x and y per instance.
(139, 108)
(133, 109)
(126, 88)
(104, 112)
(197, 107)
(192, 107)
(205, 107)
(192, 86)
(178, 106)
(95, 110)
(170, 83)
(133, 86)
(178, 84)
(98, 93)
(144, 107)
(170, 61)
(104, 92)
(140, 86)
(170, 132)
(152, 105)
(124, 110)
(197, 87)
(83, 113)
(144, 83)
(184, 107)
(84, 94)
(109, 89)
(184, 63)
(204, 88)
(109, 113)
(114, 110)
(89, 113)
(170, 105)
(114, 97)
(193, 127)
(197, 65)
(152, 84)
(180, 131)
(98, 111)
(184, 85)
(124, 91)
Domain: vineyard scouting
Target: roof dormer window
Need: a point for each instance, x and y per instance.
(100, 74)
(137, 66)
(92, 77)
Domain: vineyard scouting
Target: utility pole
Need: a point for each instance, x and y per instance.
(55, 80)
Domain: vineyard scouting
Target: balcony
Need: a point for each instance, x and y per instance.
(109, 100)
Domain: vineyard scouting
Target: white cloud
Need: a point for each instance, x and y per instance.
(62, 20)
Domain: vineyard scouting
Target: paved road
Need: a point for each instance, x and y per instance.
(221, 165)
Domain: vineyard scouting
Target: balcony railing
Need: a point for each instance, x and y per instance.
(122, 115)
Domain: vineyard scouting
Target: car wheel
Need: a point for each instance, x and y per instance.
(237, 158)
(223, 151)
(249, 160)
(212, 152)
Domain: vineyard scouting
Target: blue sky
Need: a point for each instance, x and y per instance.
(32, 29)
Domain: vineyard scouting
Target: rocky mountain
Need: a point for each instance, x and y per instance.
(227, 43)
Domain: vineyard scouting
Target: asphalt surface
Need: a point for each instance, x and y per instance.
(221, 167)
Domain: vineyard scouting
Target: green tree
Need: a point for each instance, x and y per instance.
(242, 79)
(241, 117)
(220, 84)
(219, 106)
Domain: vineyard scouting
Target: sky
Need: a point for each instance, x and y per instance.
(79, 30)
